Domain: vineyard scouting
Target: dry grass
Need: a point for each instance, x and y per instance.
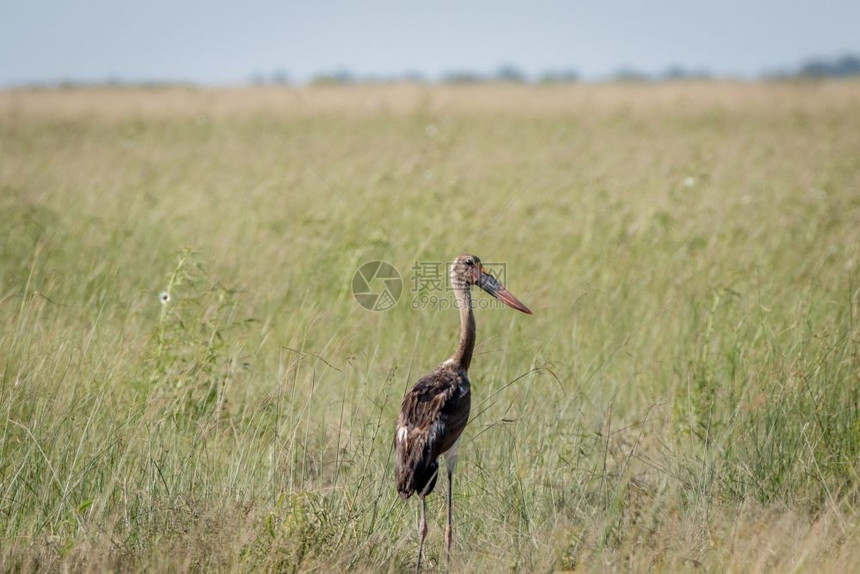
(686, 396)
(409, 99)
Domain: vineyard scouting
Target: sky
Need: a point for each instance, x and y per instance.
(228, 43)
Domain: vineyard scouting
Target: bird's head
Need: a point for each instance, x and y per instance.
(467, 271)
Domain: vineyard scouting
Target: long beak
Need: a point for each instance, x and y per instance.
(489, 284)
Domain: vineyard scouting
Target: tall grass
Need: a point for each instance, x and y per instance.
(686, 395)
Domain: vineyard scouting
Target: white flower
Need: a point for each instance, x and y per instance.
(689, 181)
(164, 297)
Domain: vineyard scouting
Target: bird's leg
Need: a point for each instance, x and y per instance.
(448, 526)
(450, 464)
(422, 533)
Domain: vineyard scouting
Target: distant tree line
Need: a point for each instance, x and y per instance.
(276, 78)
(504, 74)
(845, 66)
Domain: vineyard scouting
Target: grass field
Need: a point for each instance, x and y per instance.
(685, 397)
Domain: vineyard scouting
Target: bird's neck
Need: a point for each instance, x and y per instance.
(463, 357)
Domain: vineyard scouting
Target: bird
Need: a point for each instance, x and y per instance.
(435, 411)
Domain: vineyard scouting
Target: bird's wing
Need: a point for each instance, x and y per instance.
(432, 416)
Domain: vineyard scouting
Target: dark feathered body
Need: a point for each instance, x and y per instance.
(432, 417)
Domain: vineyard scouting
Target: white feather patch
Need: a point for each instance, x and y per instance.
(451, 456)
(402, 434)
